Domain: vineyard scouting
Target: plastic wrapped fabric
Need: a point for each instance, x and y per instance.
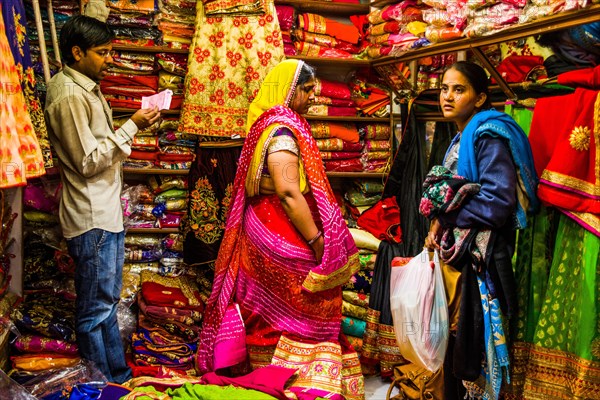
(161, 183)
(12, 390)
(286, 15)
(57, 380)
(173, 63)
(131, 20)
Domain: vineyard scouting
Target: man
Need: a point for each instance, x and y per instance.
(90, 152)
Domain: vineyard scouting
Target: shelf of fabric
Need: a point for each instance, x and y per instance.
(563, 20)
(326, 7)
(155, 171)
(149, 49)
(333, 62)
(375, 120)
(382, 3)
(153, 230)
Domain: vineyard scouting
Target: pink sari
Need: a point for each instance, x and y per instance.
(291, 306)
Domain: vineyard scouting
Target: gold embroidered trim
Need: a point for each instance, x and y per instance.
(588, 218)
(569, 181)
(280, 143)
(316, 282)
(580, 138)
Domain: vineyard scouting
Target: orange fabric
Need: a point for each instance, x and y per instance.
(344, 131)
(319, 24)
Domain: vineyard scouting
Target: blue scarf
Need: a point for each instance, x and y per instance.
(500, 125)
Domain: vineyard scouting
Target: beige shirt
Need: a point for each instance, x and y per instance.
(90, 152)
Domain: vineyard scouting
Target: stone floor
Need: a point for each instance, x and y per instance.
(376, 389)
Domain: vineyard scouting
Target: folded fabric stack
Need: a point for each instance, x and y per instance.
(355, 293)
(45, 318)
(63, 10)
(171, 307)
(173, 68)
(176, 21)
(536, 9)
(132, 22)
(486, 17)
(371, 100)
(124, 87)
(317, 36)
(446, 20)
(177, 150)
(287, 17)
(395, 28)
(161, 203)
(377, 150)
(332, 99)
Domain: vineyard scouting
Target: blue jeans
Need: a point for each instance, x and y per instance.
(99, 257)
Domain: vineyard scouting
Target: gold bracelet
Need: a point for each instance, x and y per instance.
(314, 239)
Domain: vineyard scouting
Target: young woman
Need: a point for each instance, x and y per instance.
(286, 252)
(476, 201)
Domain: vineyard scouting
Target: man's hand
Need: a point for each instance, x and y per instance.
(146, 117)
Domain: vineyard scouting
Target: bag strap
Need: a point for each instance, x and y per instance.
(399, 380)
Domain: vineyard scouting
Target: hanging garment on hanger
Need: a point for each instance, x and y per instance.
(229, 58)
(13, 12)
(20, 153)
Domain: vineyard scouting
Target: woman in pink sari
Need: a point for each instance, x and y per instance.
(285, 254)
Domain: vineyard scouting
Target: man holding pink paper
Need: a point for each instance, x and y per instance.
(90, 151)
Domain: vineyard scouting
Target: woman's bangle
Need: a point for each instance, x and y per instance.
(314, 239)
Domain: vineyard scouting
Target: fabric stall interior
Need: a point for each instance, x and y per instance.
(379, 130)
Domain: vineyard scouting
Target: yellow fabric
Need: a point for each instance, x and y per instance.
(228, 59)
(277, 89)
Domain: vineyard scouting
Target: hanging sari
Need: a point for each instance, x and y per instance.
(20, 153)
(291, 305)
(229, 56)
(13, 12)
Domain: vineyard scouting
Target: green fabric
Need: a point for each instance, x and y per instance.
(569, 315)
(146, 393)
(522, 116)
(213, 392)
(531, 265)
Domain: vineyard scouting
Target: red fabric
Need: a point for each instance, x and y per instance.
(383, 220)
(168, 296)
(514, 68)
(337, 90)
(270, 380)
(351, 165)
(567, 174)
(588, 78)
(143, 155)
(150, 81)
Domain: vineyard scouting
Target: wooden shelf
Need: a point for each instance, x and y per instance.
(149, 49)
(333, 62)
(153, 230)
(354, 175)
(382, 3)
(552, 23)
(346, 119)
(326, 7)
(155, 171)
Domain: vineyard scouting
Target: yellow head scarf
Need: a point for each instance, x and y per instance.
(277, 89)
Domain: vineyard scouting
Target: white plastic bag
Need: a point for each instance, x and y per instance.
(420, 310)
